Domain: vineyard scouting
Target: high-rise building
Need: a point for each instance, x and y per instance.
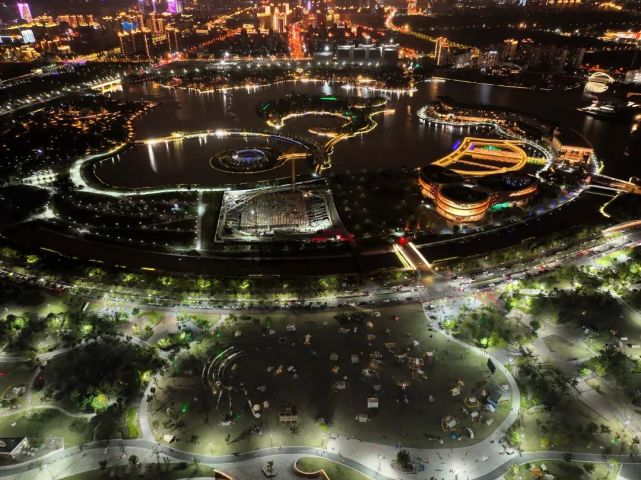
(441, 51)
(173, 39)
(137, 42)
(27, 36)
(154, 24)
(174, 6)
(76, 21)
(264, 20)
(279, 21)
(24, 11)
(147, 5)
(274, 18)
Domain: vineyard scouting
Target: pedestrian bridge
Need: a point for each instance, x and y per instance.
(616, 185)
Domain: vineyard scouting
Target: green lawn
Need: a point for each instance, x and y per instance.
(334, 471)
(182, 407)
(565, 427)
(13, 374)
(564, 470)
(131, 419)
(567, 349)
(47, 423)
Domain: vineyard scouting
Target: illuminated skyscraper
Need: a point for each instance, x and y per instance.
(174, 6)
(441, 51)
(173, 39)
(24, 11)
(136, 42)
(147, 5)
(28, 37)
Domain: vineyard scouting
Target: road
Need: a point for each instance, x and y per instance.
(247, 466)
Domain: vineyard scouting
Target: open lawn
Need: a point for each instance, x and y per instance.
(327, 369)
(567, 349)
(564, 470)
(13, 376)
(46, 423)
(567, 427)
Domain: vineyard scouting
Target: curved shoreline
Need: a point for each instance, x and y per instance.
(81, 180)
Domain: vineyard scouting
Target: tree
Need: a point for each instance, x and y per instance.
(403, 459)
(591, 429)
(99, 402)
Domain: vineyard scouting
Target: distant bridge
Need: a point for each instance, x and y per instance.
(604, 182)
(114, 85)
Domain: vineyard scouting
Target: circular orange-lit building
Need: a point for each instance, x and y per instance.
(461, 199)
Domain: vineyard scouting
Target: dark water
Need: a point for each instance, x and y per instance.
(399, 139)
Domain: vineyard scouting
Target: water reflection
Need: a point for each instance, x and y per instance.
(152, 158)
(400, 139)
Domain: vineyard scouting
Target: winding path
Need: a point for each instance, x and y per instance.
(92, 453)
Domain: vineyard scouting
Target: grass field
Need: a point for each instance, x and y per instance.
(131, 420)
(567, 349)
(47, 423)
(410, 408)
(564, 470)
(548, 429)
(13, 375)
